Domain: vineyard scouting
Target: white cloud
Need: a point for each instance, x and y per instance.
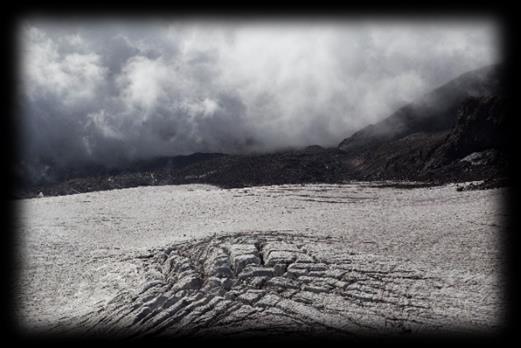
(170, 88)
(72, 77)
(141, 81)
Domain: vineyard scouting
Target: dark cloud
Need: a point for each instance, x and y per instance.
(110, 91)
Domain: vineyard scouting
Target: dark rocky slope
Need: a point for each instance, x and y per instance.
(457, 133)
(475, 148)
(435, 112)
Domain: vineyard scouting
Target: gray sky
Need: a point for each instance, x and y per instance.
(113, 90)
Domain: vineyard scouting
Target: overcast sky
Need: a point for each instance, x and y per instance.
(113, 90)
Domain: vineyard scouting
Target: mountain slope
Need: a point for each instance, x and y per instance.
(475, 148)
(433, 113)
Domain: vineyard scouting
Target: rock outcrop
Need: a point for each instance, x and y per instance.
(475, 148)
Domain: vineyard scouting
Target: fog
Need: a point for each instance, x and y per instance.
(111, 91)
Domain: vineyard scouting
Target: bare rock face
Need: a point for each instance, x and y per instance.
(278, 283)
(480, 130)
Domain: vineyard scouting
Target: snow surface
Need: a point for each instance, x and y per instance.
(77, 252)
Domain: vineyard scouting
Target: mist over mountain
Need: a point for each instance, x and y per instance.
(433, 112)
(97, 96)
(458, 132)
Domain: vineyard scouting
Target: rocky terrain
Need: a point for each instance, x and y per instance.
(459, 132)
(475, 148)
(198, 261)
(279, 283)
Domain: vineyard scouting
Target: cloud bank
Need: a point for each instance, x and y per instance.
(112, 91)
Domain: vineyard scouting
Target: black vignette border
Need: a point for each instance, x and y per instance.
(11, 17)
